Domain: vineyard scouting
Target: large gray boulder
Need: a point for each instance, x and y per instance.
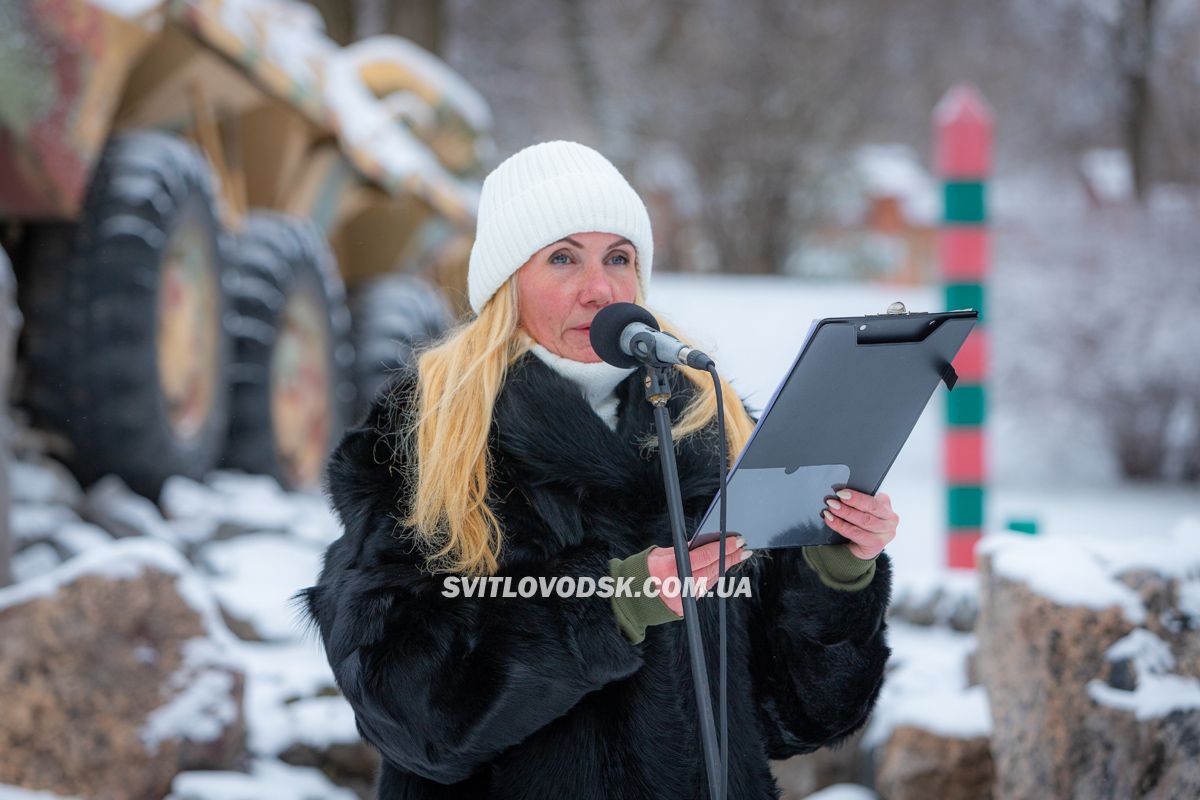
(1089, 652)
(116, 674)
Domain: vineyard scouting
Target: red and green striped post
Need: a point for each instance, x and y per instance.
(963, 157)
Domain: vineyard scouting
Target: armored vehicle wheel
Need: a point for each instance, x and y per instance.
(392, 315)
(125, 353)
(292, 383)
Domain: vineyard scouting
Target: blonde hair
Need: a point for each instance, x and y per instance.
(458, 381)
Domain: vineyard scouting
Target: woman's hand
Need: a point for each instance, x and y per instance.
(867, 521)
(705, 562)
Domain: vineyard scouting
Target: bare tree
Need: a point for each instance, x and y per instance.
(1134, 48)
(349, 20)
(764, 101)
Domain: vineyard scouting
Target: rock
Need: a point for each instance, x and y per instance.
(945, 598)
(1157, 757)
(352, 765)
(1075, 650)
(916, 764)
(116, 674)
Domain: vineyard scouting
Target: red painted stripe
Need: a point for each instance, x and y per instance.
(963, 253)
(963, 129)
(971, 363)
(965, 461)
(960, 548)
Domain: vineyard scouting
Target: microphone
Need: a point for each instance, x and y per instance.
(625, 335)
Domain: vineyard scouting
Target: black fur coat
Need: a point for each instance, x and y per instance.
(545, 697)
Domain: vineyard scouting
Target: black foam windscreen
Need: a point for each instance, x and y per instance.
(605, 332)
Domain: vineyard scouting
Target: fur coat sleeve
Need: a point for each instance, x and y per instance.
(819, 653)
(441, 685)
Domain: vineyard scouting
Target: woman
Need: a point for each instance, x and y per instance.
(512, 450)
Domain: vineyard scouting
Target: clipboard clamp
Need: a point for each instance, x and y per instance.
(949, 376)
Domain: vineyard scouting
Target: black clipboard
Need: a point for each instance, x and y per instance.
(837, 420)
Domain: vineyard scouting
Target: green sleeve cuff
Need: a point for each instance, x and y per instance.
(838, 568)
(635, 614)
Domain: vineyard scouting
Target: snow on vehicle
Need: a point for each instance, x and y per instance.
(195, 194)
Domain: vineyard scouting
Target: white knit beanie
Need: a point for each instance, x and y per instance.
(541, 194)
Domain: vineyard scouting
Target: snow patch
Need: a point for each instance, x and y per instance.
(17, 793)
(126, 559)
(29, 521)
(1108, 173)
(128, 9)
(893, 170)
(48, 482)
(265, 779)
(202, 709)
(238, 503)
(428, 68)
(279, 677)
(1061, 569)
(79, 537)
(927, 686)
(36, 559)
(1189, 600)
(256, 576)
(116, 507)
(1150, 654)
(1155, 696)
(1157, 693)
(844, 791)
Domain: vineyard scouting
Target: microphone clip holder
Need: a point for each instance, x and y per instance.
(645, 349)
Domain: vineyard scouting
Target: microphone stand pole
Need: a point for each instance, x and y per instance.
(658, 391)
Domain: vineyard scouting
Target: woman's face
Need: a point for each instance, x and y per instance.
(562, 286)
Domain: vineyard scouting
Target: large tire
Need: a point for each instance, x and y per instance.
(124, 348)
(393, 315)
(292, 385)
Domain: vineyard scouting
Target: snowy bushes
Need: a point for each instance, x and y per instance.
(1098, 313)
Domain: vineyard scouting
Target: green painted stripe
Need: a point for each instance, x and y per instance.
(966, 295)
(964, 202)
(966, 404)
(1029, 526)
(965, 506)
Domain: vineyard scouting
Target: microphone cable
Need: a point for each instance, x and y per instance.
(721, 589)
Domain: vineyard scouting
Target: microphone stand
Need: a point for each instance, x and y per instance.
(658, 391)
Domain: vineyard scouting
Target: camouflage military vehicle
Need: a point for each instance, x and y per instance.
(225, 228)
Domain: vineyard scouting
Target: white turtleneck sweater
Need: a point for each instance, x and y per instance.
(598, 381)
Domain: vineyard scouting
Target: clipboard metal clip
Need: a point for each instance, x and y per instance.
(949, 376)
